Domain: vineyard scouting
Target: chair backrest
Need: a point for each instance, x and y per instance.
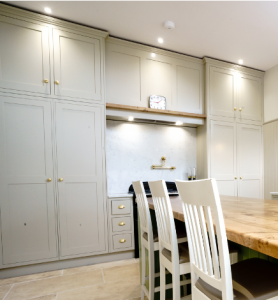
(143, 208)
(164, 216)
(202, 206)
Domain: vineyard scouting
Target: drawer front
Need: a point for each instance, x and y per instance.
(121, 207)
(122, 241)
(121, 224)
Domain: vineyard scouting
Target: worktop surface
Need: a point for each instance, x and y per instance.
(252, 223)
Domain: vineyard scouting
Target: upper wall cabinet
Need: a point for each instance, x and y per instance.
(134, 72)
(46, 57)
(76, 66)
(24, 56)
(234, 92)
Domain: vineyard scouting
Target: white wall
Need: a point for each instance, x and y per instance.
(271, 94)
(132, 149)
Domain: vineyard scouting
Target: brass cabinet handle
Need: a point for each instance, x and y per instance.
(46, 81)
(121, 206)
(49, 179)
(57, 82)
(61, 179)
(122, 224)
(240, 177)
(122, 240)
(235, 177)
(240, 109)
(234, 108)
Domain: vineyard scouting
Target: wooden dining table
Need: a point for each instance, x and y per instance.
(249, 222)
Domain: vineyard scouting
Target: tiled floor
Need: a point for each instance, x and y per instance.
(118, 280)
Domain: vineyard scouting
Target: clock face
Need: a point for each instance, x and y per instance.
(157, 102)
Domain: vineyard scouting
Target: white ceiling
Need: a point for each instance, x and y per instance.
(225, 30)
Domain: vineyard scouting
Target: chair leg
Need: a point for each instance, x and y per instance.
(162, 282)
(142, 294)
(176, 285)
(151, 274)
(143, 278)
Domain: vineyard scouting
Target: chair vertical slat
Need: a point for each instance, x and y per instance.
(212, 242)
(205, 238)
(200, 240)
(189, 230)
(195, 238)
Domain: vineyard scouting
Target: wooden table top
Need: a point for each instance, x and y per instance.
(252, 223)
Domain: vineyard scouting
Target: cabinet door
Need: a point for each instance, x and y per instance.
(222, 92)
(79, 132)
(250, 97)
(27, 197)
(223, 156)
(250, 160)
(24, 56)
(76, 66)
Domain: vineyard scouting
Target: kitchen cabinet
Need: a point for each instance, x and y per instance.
(236, 158)
(77, 72)
(223, 156)
(80, 179)
(250, 156)
(52, 141)
(134, 72)
(25, 57)
(230, 145)
(234, 94)
(222, 92)
(28, 216)
(121, 226)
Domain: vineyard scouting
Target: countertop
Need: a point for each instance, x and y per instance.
(252, 223)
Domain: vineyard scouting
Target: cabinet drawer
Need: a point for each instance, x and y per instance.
(121, 207)
(121, 224)
(121, 241)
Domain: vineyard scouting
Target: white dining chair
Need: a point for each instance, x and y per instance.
(212, 276)
(149, 241)
(173, 254)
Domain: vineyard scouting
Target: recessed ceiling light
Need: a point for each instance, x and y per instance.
(160, 40)
(240, 61)
(130, 118)
(47, 10)
(179, 123)
(153, 54)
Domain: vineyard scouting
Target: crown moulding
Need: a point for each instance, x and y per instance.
(19, 13)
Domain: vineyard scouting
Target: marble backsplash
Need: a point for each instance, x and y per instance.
(132, 148)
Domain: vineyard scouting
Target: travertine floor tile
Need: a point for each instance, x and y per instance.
(4, 290)
(48, 297)
(124, 273)
(54, 285)
(99, 266)
(30, 277)
(117, 290)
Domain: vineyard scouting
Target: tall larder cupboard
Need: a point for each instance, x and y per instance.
(52, 139)
(230, 145)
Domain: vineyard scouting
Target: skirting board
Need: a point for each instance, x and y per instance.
(65, 264)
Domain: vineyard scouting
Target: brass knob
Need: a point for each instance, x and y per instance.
(121, 223)
(122, 240)
(46, 81)
(240, 109)
(57, 82)
(234, 108)
(61, 179)
(49, 179)
(235, 177)
(240, 177)
(121, 206)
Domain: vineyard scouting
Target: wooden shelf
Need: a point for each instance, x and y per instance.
(156, 111)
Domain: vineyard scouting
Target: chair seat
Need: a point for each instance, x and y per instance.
(253, 279)
(183, 253)
(180, 234)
